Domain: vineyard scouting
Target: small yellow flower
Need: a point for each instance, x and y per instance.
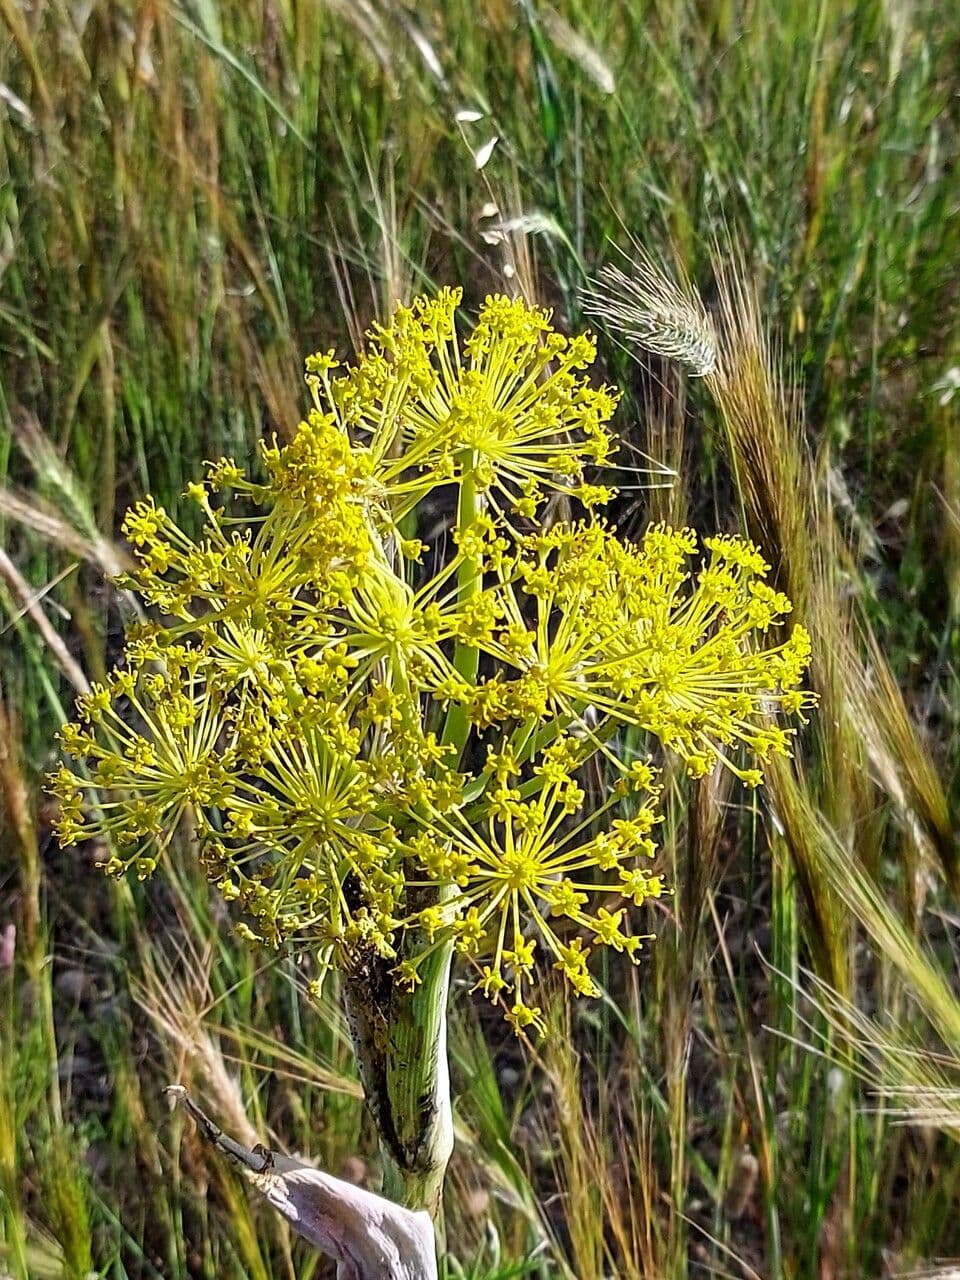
(407, 975)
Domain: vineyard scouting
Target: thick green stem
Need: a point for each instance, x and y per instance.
(400, 1038)
(400, 1035)
(418, 1082)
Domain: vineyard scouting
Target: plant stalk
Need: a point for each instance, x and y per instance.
(400, 1039)
(466, 657)
(400, 1035)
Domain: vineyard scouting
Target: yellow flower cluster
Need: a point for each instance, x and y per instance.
(508, 405)
(628, 631)
(374, 748)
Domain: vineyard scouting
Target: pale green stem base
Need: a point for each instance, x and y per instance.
(400, 1038)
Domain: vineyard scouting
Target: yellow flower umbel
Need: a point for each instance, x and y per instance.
(628, 631)
(507, 408)
(534, 868)
(386, 760)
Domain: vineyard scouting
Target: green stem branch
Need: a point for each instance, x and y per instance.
(466, 657)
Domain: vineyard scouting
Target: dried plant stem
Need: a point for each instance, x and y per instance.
(15, 808)
(30, 604)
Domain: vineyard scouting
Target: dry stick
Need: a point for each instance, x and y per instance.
(30, 605)
(39, 519)
(370, 1238)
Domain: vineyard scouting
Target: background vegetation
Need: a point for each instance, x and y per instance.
(193, 196)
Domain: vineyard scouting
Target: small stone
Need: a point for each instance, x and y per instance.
(71, 984)
(476, 1203)
(354, 1169)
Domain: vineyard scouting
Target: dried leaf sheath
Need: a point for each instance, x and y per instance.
(369, 1237)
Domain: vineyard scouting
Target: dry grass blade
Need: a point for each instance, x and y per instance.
(53, 473)
(606, 1170)
(176, 994)
(17, 810)
(857, 896)
(915, 1085)
(570, 41)
(924, 979)
(12, 16)
(39, 518)
(800, 823)
(910, 775)
(29, 601)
